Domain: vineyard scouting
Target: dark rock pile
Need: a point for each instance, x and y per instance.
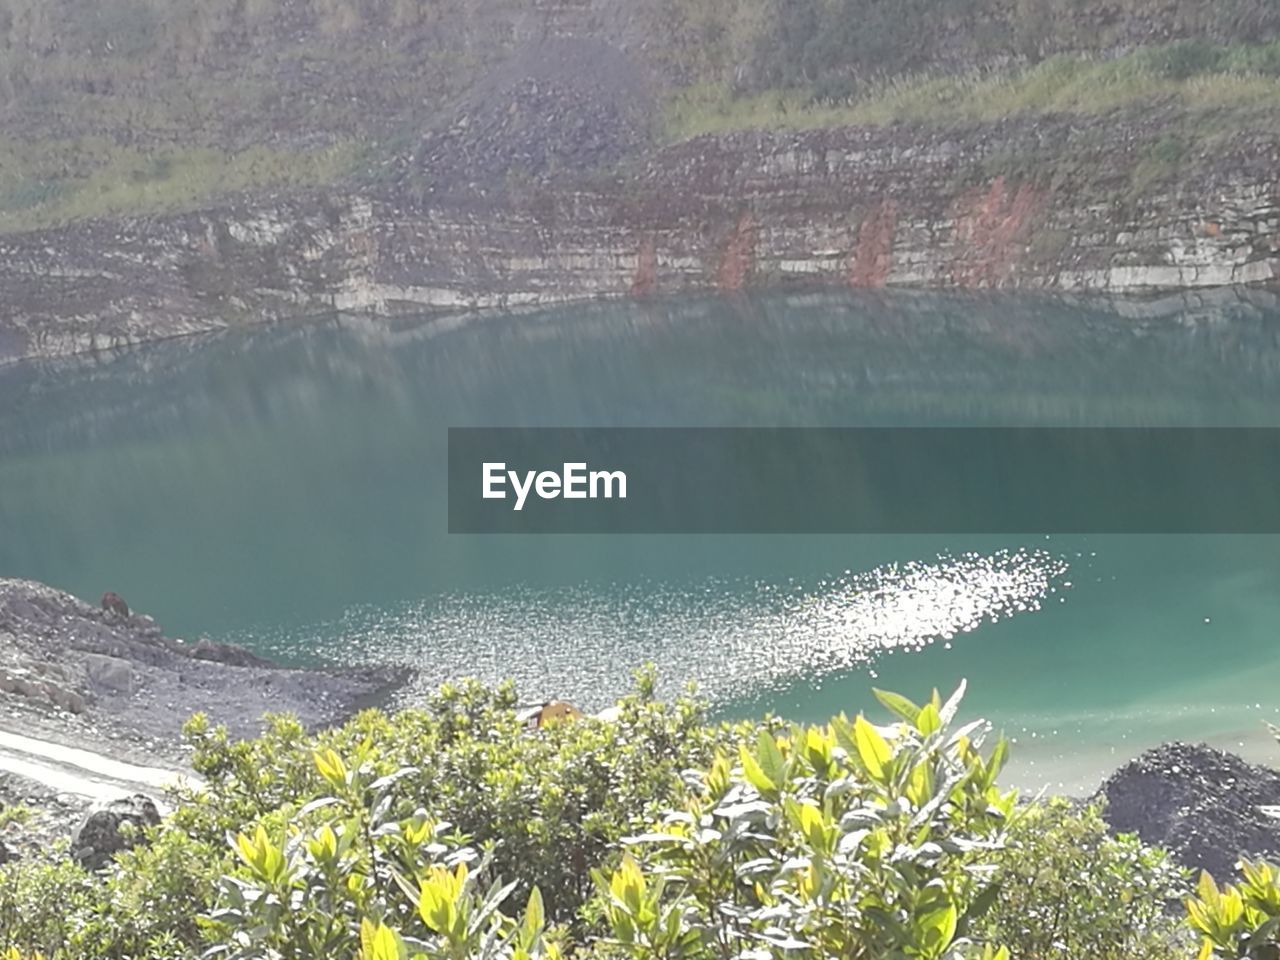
(1206, 807)
(558, 108)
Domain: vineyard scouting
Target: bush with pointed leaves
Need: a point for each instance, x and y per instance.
(841, 840)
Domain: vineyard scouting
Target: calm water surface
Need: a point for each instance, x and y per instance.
(285, 489)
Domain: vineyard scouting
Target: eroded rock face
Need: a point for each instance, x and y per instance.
(124, 677)
(1206, 806)
(110, 827)
(859, 206)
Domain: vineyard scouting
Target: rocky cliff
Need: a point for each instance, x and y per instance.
(1047, 203)
(96, 675)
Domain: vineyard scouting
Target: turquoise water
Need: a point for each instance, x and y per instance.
(285, 489)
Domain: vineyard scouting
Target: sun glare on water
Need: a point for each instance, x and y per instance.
(734, 638)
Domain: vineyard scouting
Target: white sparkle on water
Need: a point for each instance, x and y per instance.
(735, 639)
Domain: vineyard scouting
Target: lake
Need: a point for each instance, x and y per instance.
(284, 488)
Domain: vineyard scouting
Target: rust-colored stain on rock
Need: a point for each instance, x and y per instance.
(989, 230)
(646, 277)
(873, 256)
(738, 258)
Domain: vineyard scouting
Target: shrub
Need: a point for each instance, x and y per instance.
(552, 802)
(843, 840)
(1239, 920)
(454, 831)
(1068, 890)
(541, 808)
(40, 904)
(362, 872)
(147, 906)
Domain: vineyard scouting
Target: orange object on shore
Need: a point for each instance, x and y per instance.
(554, 711)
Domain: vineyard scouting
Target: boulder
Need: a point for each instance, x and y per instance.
(1206, 807)
(113, 604)
(109, 673)
(112, 826)
(6, 855)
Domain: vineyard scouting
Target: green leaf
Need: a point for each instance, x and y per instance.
(771, 759)
(928, 721)
(873, 749)
(380, 942)
(534, 915)
(939, 929)
(999, 755)
(898, 704)
(755, 774)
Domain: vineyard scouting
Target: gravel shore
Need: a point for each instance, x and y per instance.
(112, 683)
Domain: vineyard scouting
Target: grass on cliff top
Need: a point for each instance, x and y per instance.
(1232, 87)
(54, 183)
(1208, 91)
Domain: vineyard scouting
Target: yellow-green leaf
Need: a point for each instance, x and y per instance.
(1207, 889)
(873, 749)
(940, 929)
(627, 886)
(534, 917)
(438, 897)
(771, 760)
(379, 942)
(331, 766)
(754, 773)
(928, 721)
(811, 825)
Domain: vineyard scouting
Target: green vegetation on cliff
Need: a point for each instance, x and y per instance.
(111, 180)
(456, 831)
(1204, 89)
(139, 106)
